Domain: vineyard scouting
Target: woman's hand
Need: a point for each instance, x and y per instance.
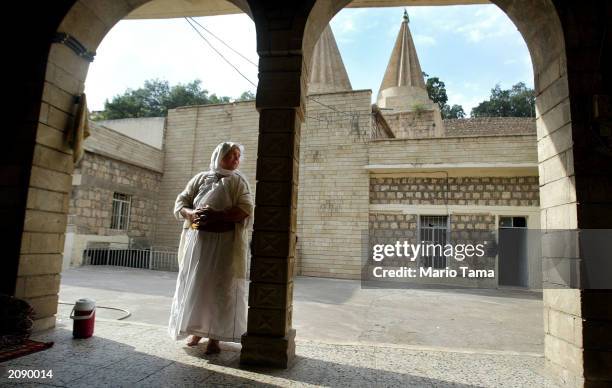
(208, 214)
(194, 216)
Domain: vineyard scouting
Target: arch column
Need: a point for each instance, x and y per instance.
(269, 340)
(576, 181)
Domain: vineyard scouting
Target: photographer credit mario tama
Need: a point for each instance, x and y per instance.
(406, 251)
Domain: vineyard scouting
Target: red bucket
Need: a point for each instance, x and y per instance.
(84, 316)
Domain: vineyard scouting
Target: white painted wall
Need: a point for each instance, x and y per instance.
(149, 130)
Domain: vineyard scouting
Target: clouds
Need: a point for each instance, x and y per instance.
(489, 23)
(423, 40)
(137, 50)
(469, 47)
(351, 23)
(468, 94)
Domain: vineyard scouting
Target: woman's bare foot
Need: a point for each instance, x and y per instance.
(213, 347)
(194, 340)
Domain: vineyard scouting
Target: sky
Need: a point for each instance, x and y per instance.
(469, 47)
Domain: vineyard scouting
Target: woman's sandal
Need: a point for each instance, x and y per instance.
(193, 341)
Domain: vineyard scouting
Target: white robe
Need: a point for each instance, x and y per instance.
(210, 299)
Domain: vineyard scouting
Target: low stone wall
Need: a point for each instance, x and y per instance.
(487, 191)
(479, 126)
(500, 150)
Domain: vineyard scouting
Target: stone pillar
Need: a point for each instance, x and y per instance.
(576, 182)
(269, 340)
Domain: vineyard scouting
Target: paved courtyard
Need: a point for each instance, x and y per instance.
(346, 336)
(340, 312)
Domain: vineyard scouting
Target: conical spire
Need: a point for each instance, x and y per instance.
(327, 73)
(403, 84)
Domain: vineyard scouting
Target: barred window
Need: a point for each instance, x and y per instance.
(121, 211)
(512, 222)
(434, 230)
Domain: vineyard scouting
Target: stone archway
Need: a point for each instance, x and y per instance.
(34, 272)
(567, 202)
(570, 47)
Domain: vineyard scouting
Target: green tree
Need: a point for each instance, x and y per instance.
(452, 112)
(436, 89)
(155, 98)
(246, 96)
(518, 101)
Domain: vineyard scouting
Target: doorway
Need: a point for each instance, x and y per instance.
(513, 267)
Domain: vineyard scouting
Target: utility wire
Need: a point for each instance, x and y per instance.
(222, 41)
(190, 20)
(332, 108)
(218, 52)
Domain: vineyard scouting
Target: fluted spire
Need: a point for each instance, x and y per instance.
(403, 81)
(327, 73)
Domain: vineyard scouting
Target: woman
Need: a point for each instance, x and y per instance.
(211, 290)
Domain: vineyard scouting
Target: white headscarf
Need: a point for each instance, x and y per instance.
(219, 153)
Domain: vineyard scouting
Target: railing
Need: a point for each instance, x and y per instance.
(160, 260)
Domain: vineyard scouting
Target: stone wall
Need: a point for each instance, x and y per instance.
(415, 124)
(333, 190)
(473, 228)
(483, 191)
(192, 133)
(149, 130)
(478, 126)
(38, 168)
(91, 202)
(494, 150)
(115, 145)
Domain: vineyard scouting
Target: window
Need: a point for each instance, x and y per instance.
(512, 222)
(121, 211)
(434, 230)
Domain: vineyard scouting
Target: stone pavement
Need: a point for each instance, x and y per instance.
(142, 355)
(442, 318)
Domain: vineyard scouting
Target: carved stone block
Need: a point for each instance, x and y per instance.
(272, 322)
(273, 218)
(276, 168)
(276, 352)
(270, 295)
(277, 120)
(272, 244)
(272, 270)
(274, 194)
(276, 144)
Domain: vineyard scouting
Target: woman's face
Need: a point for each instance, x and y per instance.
(231, 160)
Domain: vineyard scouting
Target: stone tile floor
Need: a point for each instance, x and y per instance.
(142, 355)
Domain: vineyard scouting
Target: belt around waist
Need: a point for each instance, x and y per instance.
(217, 227)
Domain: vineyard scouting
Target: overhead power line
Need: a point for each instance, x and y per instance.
(223, 42)
(191, 22)
(332, 108)
(218, 52)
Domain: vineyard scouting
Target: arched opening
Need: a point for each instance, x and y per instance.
(285, 49)
(381, 175)
(553, 123)
(145, 144)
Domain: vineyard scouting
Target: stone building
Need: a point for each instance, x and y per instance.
(570, 50)
(115, 185)
(381, 172)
